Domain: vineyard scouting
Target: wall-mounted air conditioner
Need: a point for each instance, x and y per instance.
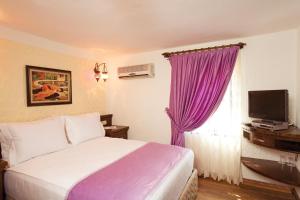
(146, 70)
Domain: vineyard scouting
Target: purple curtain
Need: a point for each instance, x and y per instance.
(198, 84)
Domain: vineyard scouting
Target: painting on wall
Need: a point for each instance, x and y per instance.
(46, 86)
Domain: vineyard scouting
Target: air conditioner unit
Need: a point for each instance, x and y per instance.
(146, 70)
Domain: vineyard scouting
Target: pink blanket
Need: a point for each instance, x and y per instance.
(132, 177)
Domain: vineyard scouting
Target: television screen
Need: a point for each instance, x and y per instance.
(269, 105)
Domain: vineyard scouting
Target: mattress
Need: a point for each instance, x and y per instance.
(51, 176)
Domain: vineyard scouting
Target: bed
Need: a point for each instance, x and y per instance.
(53, 175)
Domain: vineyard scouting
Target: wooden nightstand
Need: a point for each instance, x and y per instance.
(114, 131)
(3, 166)
(117, 132)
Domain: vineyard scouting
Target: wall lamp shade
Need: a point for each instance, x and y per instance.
(101, 71)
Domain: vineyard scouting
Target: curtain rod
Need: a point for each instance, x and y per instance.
(168, 54)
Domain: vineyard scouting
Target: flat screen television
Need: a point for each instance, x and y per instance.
(269, 105)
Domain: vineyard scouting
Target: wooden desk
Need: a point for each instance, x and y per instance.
(284, 140)
(274, 170)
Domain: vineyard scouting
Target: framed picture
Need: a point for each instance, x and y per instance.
(46, 86)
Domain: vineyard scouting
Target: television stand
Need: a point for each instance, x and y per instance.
(284, 140)
(270, 125)
(265, 121)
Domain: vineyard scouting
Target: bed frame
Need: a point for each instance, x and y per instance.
(190, 191)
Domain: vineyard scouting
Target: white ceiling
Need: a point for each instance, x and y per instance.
(129, 26)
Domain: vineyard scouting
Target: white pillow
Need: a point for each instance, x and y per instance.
(84, 127)
(8, 150)
(36, 138)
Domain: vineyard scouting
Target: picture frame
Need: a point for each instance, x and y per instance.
(48, 86)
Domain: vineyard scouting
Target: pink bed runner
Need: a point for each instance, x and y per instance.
(132, 177)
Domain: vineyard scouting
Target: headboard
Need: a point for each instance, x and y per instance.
(106, 119)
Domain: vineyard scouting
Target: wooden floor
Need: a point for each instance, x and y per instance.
(212, 190)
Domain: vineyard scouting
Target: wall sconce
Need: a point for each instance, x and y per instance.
(101, 71)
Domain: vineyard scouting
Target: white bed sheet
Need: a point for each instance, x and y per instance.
(51, 177)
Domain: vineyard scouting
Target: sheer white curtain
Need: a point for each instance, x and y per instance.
(217, 144)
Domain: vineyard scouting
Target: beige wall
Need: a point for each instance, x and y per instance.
(140, 103)
(88, 95)
(267, 61)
